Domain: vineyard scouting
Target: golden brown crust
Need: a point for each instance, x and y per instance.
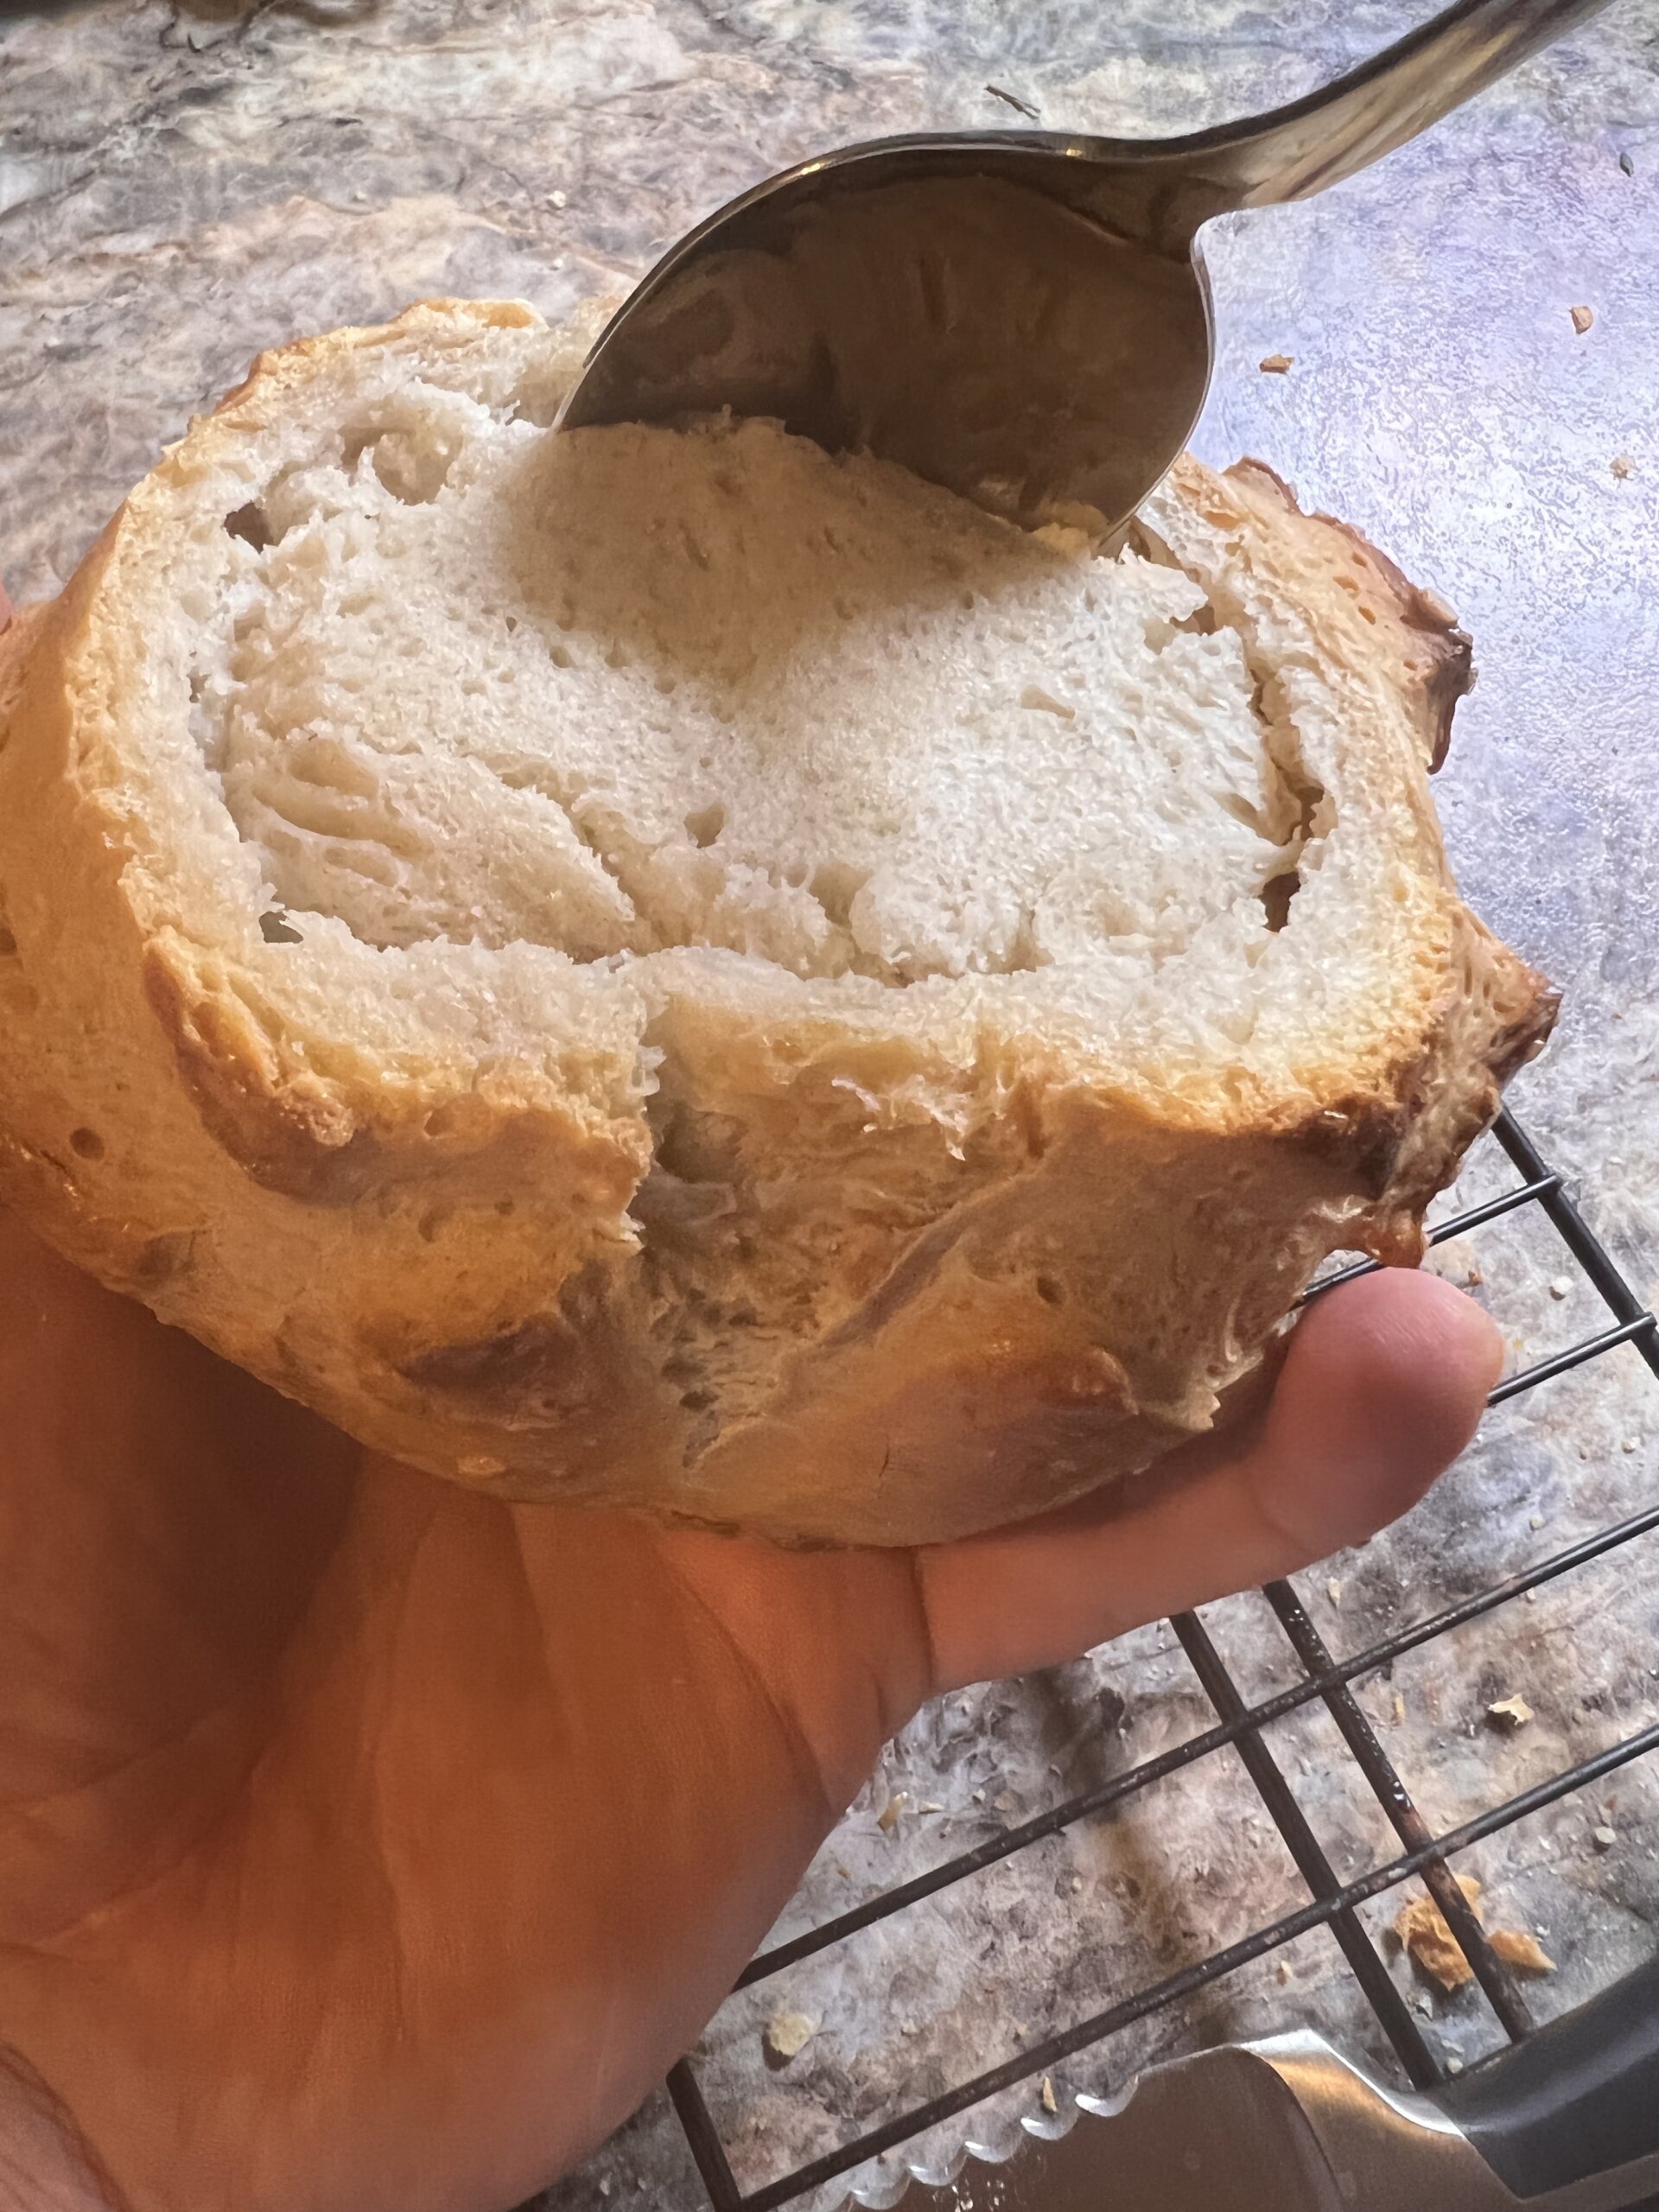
(1438, 656)
(1403, 1139)
(755, 1304)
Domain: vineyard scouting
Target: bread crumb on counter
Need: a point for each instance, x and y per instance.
(1421, 1930)
(1582, 319)
(788, 2033)
(1510, 1712)
(1278, 364)
(1517, 1947)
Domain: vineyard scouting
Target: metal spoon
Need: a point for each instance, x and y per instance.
(1022, 315)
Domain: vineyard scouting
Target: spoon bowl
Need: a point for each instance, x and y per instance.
(939, 303)
(1021, 316)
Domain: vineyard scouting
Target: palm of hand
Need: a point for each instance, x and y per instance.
(366, 1843)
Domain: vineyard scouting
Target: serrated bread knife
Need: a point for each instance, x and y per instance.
(1567, 2121)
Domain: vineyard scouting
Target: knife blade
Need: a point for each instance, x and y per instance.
(1567, 2122)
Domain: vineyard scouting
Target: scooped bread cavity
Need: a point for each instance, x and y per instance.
(669, 968)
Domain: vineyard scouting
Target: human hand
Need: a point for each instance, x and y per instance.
(366, 1842)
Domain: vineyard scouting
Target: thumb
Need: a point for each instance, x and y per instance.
(1382, 1385)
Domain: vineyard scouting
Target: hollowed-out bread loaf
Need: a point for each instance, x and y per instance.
(666, 967)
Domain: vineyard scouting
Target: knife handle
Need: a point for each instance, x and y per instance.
(1579, 2098)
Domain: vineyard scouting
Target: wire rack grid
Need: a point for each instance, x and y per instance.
(1332, 1904)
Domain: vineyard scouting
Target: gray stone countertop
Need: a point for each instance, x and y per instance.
(183, 184)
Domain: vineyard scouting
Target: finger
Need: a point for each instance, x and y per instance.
(1382, 1385)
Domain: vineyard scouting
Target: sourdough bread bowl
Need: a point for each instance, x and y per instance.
(665, 968)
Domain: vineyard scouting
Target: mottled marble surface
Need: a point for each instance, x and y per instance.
(183, 184)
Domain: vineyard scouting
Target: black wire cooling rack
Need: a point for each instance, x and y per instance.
(1333, 1903)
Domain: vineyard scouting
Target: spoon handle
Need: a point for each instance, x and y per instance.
(1297, 150)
